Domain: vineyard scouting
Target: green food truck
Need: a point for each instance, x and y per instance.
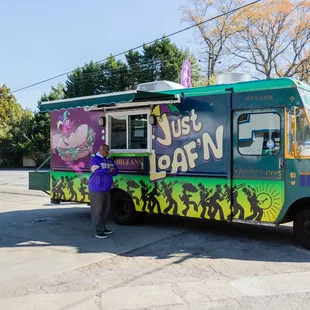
(235, 152)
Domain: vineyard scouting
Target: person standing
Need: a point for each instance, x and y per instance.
(103, 169)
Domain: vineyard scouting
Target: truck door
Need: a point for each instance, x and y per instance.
(258, 175)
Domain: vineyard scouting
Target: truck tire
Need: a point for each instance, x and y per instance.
(302, 227)
(123, 210)
(55, 201)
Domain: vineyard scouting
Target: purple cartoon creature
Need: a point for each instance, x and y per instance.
(73, 144)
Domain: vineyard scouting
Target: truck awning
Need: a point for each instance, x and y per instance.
(106, 99)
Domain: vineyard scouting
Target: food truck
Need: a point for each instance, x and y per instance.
(236, 152)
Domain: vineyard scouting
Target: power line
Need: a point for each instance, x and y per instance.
(140, 46)
(141, 66)
(129, 70)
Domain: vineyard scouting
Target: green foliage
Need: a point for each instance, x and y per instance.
(10, 111)
(85, 81)
(37, 136)
(161, 60)
(14, 121)
(56, 93)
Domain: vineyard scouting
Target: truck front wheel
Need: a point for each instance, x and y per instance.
(302, 227)
(123, 210)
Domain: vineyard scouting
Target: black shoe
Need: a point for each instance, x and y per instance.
(108, 232)
(101, 235)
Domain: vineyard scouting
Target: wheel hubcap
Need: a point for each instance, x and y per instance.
(121, 209)
(306, 227)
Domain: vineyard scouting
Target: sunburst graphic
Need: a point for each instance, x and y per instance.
(269, 200)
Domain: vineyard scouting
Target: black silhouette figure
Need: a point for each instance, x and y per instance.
(70, 186)
(59, 189)
(83, 192)
(54, 188)
(116, 184)
(131, 193)
(144, 191)
(254, 202)
(204, 201)
(235, 204)
(152, 200)
(216, 207)
(172, 204)
(185, 198)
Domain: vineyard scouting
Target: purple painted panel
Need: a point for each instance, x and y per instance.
(75, 135)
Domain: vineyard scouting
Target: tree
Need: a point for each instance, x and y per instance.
(268, 39)
(213, 35)
(305, 72)
(97, 78)
(275, 39)
(36, 142)
(161, 60)
(115, 75)
(56, 93)
(13, 122)
(11, 112)
(85, 81)
(37, 138)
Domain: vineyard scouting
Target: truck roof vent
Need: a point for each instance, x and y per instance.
(232, 77)
(158, 86)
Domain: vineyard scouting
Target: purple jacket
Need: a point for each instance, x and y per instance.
(101, 179)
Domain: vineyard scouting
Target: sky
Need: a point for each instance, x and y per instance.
(41, 39)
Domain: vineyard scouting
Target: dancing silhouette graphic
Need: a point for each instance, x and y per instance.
(83, 192)
(172, 204)
(215, 205)
(153, 201)
(144, 197)
(254, 202)
(70, 186)
(204, 201)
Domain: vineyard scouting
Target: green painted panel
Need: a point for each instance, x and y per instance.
(194, 197)
(39, 180)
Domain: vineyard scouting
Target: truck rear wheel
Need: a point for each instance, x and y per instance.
(302, 227)
(123, 210)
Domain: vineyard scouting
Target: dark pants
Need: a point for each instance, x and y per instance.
(100, 207)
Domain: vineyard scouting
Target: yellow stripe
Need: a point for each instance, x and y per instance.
(94, 167)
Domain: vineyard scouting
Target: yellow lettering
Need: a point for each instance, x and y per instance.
(208, 143)
(164, 162)
(176, 128)
(176, 163)
(186, 129)
(164, 125)
(193, 118)
(191, 156)
(154, 175)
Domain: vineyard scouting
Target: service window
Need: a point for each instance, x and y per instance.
(259, 134)
(128, 131)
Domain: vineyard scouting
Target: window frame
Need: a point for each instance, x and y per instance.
(280, 131)
(128, 113)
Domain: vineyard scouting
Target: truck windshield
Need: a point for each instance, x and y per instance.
(302, 138)
(305, 97)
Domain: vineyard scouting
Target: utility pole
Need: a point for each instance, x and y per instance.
(210, 58)
(209, 68)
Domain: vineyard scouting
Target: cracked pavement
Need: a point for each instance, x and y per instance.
(163, 263)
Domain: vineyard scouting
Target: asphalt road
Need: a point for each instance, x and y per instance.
(49, 259)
